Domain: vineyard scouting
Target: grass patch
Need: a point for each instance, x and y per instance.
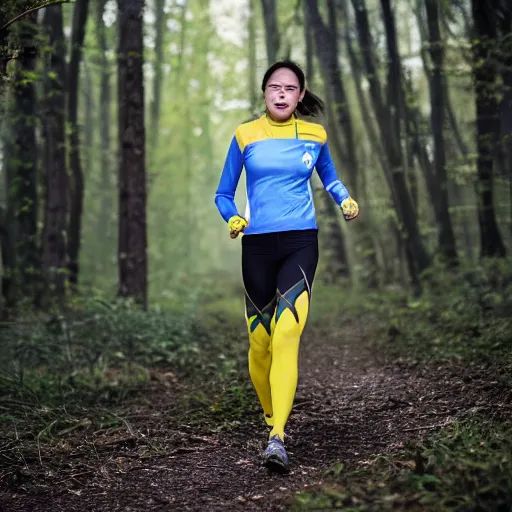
(464, 468)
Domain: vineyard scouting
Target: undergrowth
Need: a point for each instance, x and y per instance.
(464, 468)
(464, 314)
(58, 371)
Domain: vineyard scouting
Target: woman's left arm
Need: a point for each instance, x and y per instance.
(327, 173)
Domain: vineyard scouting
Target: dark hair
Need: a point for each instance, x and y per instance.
(311, 105)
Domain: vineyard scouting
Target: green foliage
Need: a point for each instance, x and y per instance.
(464, 313)
(466, 467)
(100, 350)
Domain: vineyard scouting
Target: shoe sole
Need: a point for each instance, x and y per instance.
(275, 464)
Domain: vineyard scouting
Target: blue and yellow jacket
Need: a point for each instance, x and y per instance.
(279, 159)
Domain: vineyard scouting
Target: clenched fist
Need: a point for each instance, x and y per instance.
(349, 208)
(236, 225)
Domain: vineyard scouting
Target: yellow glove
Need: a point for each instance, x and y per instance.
(349, 208)
(236, 225)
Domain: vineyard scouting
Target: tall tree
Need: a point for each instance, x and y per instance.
(506, 101)
(105, 160)
(7, 221)
(309, 40)
(80, 12)
(53, 241)
(487, 117)
(437, 116)
(388, 120)
(251, 50)
(132, 248)
(22, 158)
(377, 150)
(454, 125)
(272, 39)
(159, 27)
(326, 44)
(457, 191)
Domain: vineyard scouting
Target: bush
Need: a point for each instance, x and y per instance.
(99, 344)
(462, 314)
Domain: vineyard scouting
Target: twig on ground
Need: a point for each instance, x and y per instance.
(428, 427)
(48, 427)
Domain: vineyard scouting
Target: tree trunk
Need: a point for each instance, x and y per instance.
(455, 191)
(8, 225)
(308, 38)
(89, 117)
(327, 50)
(56, 177)
(253, 98)
(160, 19)
(104, 228)
(202, 172)
(77, 179)
(331, 237)
(368, 122)
(272, 39)
(389, 125)
(506, 102)
(327, 53)
(437, 115)
(335, 267)
(132, 249)
(418, 259)
(484, 75)
(23, 158)
(452, 120)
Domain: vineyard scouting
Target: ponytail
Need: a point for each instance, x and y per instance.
(311, 105)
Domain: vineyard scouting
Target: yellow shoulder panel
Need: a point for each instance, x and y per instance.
(250, 132)
(312, 131)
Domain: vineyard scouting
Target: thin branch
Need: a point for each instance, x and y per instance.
(47, 3)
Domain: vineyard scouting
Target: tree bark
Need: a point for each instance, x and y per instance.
(132, 249)
(25, 156)
(272, 38)
(334, 250)
(484, 76)
(455, 191)
(77, 179)
(446, 238)
(452, 120)
(56, 177)
(308, 38)
(8, 232)
(327, 50)
(160, 19)
(251, 49)
(332, 238)
(89, 117)
(104, 227)
(390, 130)
(417, 256)
(506, 102)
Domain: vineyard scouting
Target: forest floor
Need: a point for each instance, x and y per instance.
(165, 449)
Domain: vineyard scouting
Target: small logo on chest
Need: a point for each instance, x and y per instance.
(307, 160)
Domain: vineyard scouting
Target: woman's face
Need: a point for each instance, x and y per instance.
(282, 93)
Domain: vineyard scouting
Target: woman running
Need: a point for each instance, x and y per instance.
(279, 151)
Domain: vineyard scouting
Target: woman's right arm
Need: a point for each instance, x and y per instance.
(225, 194)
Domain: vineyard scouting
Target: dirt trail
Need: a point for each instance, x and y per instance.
(349, 406)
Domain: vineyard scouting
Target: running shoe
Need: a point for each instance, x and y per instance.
(275, 456)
